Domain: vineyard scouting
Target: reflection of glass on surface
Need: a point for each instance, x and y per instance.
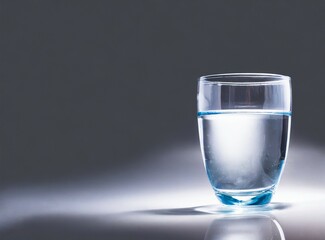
(256, 227)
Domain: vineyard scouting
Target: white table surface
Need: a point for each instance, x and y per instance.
(161, 199)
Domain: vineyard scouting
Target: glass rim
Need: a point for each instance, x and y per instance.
(244, 78)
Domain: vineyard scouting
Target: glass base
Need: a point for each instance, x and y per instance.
(246, 198)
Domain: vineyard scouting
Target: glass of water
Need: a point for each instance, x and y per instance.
(244, 127)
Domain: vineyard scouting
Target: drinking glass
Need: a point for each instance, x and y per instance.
(244, 127)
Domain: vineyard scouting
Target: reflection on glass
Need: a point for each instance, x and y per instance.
(257, 227)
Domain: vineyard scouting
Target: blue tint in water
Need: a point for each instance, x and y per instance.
(244, 153)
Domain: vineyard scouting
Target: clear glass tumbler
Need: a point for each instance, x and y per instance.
(244, 126)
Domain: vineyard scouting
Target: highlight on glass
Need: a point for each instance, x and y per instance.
(244, 128)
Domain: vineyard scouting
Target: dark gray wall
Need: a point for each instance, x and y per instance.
(87, 86)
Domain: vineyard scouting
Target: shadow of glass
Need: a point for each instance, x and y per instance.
(216, 209)
(253, 227)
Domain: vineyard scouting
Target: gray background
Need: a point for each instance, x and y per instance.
(88, 87)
